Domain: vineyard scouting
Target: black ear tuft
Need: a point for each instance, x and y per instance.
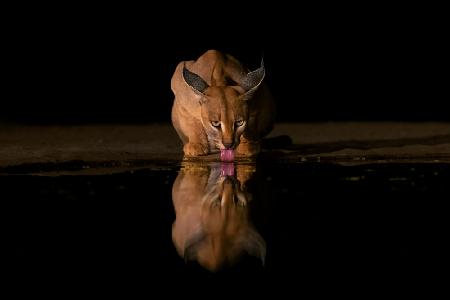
(253, 79)
(194, 81)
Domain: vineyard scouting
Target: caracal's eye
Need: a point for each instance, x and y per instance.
(215, 124)
(239, 123)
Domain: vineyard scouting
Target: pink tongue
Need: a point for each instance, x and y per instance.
(227, 169)
(227, 155)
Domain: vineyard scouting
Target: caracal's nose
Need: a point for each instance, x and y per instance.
(228, 145)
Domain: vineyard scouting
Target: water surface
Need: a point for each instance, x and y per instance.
(323, 222)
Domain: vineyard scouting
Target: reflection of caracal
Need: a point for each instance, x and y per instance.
(212, 225)
(219, 105)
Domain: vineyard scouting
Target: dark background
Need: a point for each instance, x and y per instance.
(114, 64)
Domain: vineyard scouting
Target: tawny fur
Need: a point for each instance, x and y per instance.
(227, 100)
(212, 223)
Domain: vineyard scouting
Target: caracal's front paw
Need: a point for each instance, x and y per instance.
(248, 149)
(194, 149)
(244, 173)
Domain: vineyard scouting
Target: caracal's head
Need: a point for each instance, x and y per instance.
(224, 108)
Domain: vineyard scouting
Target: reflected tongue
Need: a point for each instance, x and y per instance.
(227, 155)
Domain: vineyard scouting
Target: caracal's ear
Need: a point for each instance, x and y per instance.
(195, 82)
(253, 243)
(252, 81)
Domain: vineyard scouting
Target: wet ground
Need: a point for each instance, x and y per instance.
(347, 221)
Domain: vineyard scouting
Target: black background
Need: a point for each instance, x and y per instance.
(88, 64)
(114, 64)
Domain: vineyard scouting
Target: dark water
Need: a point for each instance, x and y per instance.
(316, 224)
